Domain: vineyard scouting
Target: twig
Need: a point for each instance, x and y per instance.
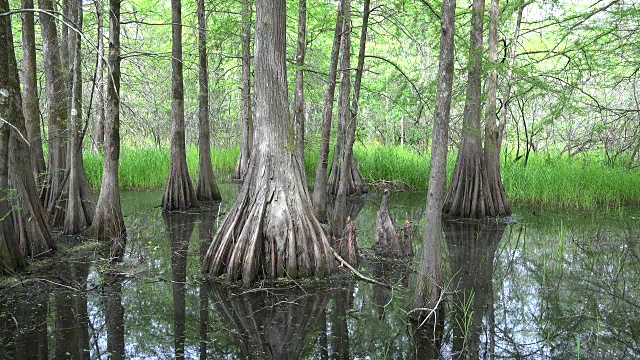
(357, 273)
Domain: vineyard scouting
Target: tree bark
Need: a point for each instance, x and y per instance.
(470, 194)
(247, 118)
(343, 165)
(178, 193)
(207, 187)
(492, 129)
(29, 219)
(57, 115)
(31, 103)
(108, 223)
(271, 229)
(347, 178)
(98, 126)
(320, 188)
(80, 206)
(298, 101)
(10, 255)
(429, 282)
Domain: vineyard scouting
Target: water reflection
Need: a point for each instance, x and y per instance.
(471, 248)
(553, 286)
(114, 315)
(179, 227)
(269, 323)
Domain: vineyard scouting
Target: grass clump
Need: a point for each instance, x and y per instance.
(549, 179)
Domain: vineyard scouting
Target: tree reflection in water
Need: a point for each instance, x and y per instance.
(270, 323)
(471, 248)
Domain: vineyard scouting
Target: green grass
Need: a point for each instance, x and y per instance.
(548, 179)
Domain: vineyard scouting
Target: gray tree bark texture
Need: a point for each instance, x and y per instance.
(320, 187)
(246, 145)
(108, 223)
(11, 258)
(429, 282)
(97, 140)
(298, 101)
(57, 112)
(31, 103)
(30, 224)
(271, 230)
(178, 193)
(471, 193)
(493, 130)
(353, 182)
(343, 165)
(207, 187)
(80, 204)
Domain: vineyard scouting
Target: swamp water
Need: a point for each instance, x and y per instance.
(549, 285)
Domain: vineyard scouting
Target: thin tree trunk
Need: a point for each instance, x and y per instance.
(343, 167)
(29, 220)
(178, 193)
(271, 229)
(429, 282)
(55, 73)
(320, 188)
(493, 130)
(98, 126)
(298, 102)
(31, 103)
(351, 181)
(207, 187)
(80, 206)
(10, 255)
(247, 118)
(108, 223)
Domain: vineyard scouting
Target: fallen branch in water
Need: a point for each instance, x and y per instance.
(357, 273)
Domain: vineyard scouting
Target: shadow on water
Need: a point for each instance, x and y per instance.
(550, 286)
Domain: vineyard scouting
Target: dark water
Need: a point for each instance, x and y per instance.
(552, 285)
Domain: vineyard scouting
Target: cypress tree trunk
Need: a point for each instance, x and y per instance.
(80, 206)
(469, 194)
(343, 164)
(29, 220)
(320, 187)
(429, 284)
(108, 223)
(178, 193)
(31, 103)
(352, 182)
(247, 120)
(55, 73)
(298, 102)
(10, 255)
(207, 187)
(271, 229)
(493, 130)
(98, 126)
